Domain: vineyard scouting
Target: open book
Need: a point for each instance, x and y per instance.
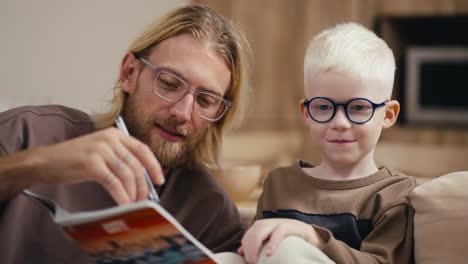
(141, 232)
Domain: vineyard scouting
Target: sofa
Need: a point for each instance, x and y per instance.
(441, 219)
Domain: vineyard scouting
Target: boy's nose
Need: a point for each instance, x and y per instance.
(183, 108)
(340, 120)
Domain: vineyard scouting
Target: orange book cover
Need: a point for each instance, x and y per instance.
(141, 232)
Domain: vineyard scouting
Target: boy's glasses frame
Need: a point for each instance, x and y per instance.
(364, 117)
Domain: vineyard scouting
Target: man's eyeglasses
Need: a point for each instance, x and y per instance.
(171, 87)
(358, 110)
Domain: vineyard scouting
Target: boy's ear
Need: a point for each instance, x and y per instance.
(303, 110)
(392, 110)
(129, 71)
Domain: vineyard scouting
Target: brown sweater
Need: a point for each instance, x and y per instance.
(27, 233)
(365, 220)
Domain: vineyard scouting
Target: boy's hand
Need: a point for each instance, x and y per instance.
(271, 232)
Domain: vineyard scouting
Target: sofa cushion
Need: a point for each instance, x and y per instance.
(441, 219)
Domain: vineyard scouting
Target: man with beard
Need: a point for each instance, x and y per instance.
(181, 83)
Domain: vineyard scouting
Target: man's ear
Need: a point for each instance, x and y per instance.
(303, 110)
(392, 110)
(129, 71)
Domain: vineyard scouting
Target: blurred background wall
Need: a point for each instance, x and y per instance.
(66, 51)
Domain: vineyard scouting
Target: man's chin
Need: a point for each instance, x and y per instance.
(171, 154)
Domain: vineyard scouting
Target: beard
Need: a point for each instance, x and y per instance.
(169, 154)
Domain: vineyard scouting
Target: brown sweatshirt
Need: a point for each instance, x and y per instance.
(365, 220)
(27, 233)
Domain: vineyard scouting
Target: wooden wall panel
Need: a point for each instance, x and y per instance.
(418, 7)
(461, 7)
(272, 28)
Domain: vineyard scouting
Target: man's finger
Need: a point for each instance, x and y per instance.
(146, 157)
(115, 188)
(138, 179)
(122, 173)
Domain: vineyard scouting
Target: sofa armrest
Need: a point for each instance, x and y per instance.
(441, 219)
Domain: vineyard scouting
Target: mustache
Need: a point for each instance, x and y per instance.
(173, 125)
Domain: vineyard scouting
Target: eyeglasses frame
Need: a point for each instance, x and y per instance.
(157, 70)
(345, 107)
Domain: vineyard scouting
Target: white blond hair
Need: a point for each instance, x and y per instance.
(353, 50)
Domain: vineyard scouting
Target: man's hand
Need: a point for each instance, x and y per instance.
(268, 233)
(108, 157)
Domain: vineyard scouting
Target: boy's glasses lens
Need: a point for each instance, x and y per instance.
(321, 109)
(359, 110)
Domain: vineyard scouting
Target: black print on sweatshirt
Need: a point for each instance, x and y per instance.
(345, 227)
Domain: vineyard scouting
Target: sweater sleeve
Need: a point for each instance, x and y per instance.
(258, 213)
(221, 229)
(390, 241)
(199, 203)
(32, 126)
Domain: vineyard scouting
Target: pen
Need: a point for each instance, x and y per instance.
(153, 195)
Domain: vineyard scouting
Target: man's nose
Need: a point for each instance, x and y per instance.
(340, 120)
(184, 107)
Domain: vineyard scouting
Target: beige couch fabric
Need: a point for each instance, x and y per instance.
(441, 219)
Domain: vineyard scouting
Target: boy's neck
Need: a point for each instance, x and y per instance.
(329, 171)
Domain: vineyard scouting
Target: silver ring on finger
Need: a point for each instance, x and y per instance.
(110, 176)
(127, 157)
(116, 163)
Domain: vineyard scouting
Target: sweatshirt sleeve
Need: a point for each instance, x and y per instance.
(32, 126)
(258, 213)
(390, 241)
(221, 229)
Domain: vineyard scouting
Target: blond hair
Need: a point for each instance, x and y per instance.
(350, 49)
(202, 23)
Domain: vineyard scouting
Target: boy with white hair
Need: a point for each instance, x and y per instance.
(346, 209)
